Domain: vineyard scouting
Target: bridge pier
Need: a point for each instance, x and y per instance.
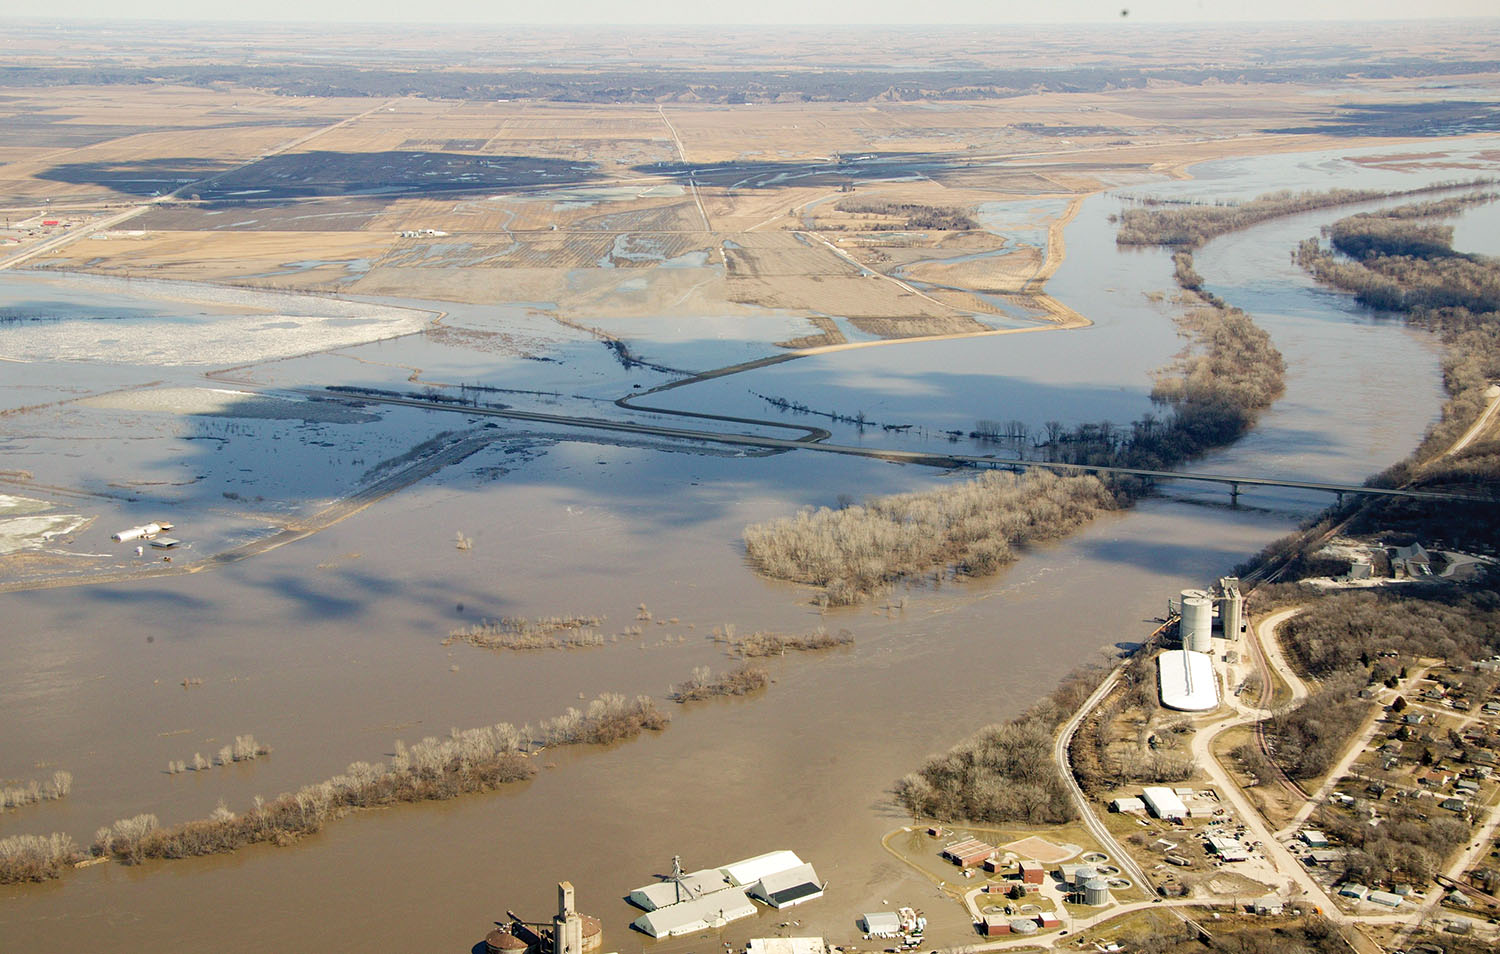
(1234, 494)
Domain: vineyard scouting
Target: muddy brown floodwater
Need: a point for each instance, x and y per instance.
(329, 649)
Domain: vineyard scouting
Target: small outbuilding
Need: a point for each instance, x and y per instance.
(1127, 805)
(1386, 898)
(1032, 872)
(1270, 904)
(1313, 838)
(882, 923)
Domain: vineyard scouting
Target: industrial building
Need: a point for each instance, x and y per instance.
(713, 910)
(747, 872)
(1164, 803)
(710, 898)
(567, 933)
(679, 888)
(1228, 849)
(1186, 680)
(782, 889)
(969, 853)
(786, 945)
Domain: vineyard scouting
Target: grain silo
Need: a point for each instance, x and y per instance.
(1197, 622)
(1231, 607)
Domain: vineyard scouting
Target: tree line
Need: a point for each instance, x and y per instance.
(470, 760)
(1004, 772)
(1189, 225)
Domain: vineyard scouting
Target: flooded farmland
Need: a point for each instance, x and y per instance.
(329, 649)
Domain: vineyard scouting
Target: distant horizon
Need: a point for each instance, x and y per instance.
(843, 14)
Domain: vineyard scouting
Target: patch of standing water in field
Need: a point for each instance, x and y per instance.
(1022, 222)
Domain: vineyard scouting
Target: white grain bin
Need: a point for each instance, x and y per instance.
(1096, 892)
(1197, 623)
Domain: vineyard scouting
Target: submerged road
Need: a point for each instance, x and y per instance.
(1235, 482)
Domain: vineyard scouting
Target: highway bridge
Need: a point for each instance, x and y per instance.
(775, 444)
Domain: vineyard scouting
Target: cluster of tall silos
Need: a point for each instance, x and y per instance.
(1197, 607)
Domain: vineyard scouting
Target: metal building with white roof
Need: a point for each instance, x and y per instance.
(751, 870)
(1187, 680)
(663, 893)
(712, 910)
(1164, 803)
(786, 888)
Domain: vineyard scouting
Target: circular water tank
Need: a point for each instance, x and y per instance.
(1084, 874)
(1197, 624)
(1024, 926)
(1096, 892)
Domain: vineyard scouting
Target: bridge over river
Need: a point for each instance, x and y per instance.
(812, 442)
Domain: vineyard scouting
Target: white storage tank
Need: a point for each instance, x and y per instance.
(1197, 624)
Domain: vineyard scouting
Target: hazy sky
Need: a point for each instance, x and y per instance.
(688, 12)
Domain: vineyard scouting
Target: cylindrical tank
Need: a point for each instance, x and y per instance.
(1084, 874)
(1096, 892)
(1197, 623)
(501, 941)
(1023, 926)
(593, 934)
(1230, 609)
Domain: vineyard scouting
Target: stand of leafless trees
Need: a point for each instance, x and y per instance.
(58, 786)
(911, 214)
(36, 857)
(1189, 226)
(705, 685)
(1002, 773)
(243, 749)
(972, 528)
(779, 644)
(470, 760)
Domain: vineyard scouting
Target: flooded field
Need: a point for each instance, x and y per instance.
(329, 649)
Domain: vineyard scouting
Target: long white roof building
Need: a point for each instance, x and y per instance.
(712, 910)
(1187, 680)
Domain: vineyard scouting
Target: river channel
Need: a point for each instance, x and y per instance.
(329, 649)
